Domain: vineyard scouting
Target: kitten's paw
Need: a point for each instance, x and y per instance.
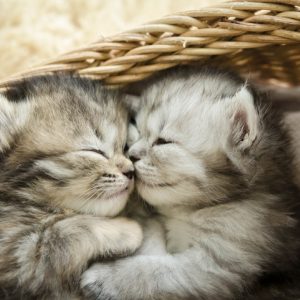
(97, 283)
(130, 236)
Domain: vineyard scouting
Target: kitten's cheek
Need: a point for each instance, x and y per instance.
(143, 188)
(136, 171)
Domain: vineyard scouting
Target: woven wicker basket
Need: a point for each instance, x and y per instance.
(258, 39)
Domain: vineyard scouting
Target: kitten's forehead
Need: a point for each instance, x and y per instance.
(174, 97)
(186, 106)
(199, 85)
(74, 115)
(79, 112)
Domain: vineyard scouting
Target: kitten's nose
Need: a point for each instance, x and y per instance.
(137, 152)
(125, 166)
(134, 158)
(129, 174)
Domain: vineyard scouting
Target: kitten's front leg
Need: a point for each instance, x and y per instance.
(141, 277)
(154, 242)
(82, 238)
(57, 258)
(117, 237)
(186, 276)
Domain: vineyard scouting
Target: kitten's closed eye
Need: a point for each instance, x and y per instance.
(162, 141)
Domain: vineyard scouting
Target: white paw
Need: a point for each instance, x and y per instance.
(131, 234)
(97, 283)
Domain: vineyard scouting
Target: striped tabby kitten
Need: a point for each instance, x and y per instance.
(62, 172)
(215, 165)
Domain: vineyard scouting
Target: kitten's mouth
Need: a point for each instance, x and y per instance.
(118, 194)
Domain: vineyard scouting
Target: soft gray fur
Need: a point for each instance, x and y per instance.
(214, 162)
(62, 173)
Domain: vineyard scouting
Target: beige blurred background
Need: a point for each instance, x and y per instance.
(34, 30)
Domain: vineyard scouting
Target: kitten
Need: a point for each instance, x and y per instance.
(215, 164)
(62, 172)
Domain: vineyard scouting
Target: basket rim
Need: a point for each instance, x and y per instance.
(221, 30)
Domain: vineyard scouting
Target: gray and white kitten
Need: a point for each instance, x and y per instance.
(62, 172)
(214, 162)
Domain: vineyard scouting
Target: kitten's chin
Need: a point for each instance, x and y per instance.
(156, 195)
(108, 206)
(181, 193)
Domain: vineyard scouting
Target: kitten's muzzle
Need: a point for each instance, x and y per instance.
(134, 158)
(124, 165)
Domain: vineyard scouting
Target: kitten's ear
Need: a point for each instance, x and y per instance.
(12, 117)
(244, 120)
(132, 103)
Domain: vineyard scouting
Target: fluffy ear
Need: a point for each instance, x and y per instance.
(244, 119)
(132, 103)
(12, 118)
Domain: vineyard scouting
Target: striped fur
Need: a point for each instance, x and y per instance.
(63, 174)
(215, 164)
